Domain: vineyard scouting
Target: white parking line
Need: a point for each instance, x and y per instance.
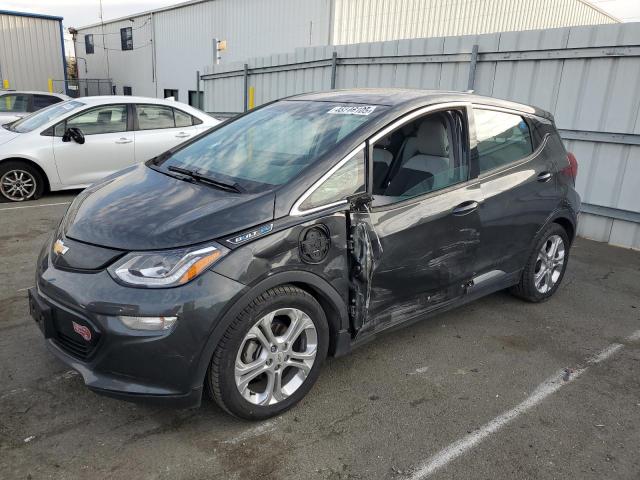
(23, 289)
(35, 206)
(546, 388)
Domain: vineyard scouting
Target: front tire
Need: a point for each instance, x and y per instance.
(271, 355)
(19, 182)
(545, 267)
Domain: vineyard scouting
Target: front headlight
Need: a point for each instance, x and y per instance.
(167, 268)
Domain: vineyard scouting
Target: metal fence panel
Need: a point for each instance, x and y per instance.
(586, 76)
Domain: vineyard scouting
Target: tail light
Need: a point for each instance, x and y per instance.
(572, 169)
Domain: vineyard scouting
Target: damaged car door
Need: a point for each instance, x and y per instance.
(413, 241)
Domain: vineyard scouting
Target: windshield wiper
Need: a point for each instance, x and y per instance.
(231, 187)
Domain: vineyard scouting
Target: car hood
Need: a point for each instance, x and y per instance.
(7, 117)
(142, 209)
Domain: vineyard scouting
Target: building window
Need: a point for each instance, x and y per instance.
(168, 92)
(196, 99)
(126, 91)
(88, 43)
(126, 38)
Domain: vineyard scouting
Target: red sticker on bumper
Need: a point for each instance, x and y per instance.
(83, 331)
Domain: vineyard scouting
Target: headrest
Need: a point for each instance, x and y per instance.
(104, 116)
(432, 138)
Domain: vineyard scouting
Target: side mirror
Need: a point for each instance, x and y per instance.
(360, 201)
(74, 134)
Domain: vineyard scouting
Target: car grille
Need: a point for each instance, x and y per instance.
(76, 348)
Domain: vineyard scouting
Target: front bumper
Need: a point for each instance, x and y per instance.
(78, 315)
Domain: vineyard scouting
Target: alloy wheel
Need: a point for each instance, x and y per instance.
(17, 185)
(549, 264)
(276, 356)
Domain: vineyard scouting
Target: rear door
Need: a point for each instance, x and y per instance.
(108, 145)
(414, 249)
(517, 178)
(159, 128)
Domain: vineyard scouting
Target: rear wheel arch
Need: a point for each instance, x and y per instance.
(47, 185)
(568, 226)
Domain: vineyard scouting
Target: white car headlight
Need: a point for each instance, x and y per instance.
(167, 268)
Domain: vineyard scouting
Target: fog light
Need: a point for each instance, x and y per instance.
(148, 323)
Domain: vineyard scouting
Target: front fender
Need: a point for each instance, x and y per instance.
(327, 295)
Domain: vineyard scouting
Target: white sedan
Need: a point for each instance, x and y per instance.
(72, 144)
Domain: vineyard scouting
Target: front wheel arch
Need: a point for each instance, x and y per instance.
(334, 307)
(31, 163)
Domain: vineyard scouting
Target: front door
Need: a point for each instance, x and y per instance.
(414, 248)
(108, 147)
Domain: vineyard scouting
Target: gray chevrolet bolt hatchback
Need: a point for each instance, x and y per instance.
(239, 261)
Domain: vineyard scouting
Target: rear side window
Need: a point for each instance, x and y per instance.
(41, 101)
(154, 117)
(503, 138)
(182, 119)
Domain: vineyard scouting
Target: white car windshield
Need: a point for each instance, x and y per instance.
(44, 116)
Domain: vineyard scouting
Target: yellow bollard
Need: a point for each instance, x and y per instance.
(5, 85)
(51, 85)
(252, 97)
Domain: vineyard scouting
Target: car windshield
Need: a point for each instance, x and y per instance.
(271, 145)
(44, 116)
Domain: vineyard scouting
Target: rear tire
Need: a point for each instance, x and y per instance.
(20, 182)
(271, 355)
(545, 267)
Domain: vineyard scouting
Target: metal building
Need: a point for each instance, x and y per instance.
(157, 53)
(31, 52)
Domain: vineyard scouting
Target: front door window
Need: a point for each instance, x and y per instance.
(104, 119)
(418, 158)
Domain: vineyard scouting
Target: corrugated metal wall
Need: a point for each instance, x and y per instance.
(30, 52)
(184, 40)
(379, 20)
(586, 76)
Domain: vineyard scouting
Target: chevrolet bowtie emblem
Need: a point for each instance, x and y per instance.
(59, 247)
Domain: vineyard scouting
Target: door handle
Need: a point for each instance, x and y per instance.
(544, 176)
(183, 135)
(465, 207)
(124, 140)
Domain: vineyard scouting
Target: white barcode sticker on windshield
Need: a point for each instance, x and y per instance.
(361, 110)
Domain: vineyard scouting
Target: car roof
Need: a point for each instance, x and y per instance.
(405, 96)
(100, 99)
(35, 92)
(109, 99)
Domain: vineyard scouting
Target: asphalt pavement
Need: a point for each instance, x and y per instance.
(498, 389)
